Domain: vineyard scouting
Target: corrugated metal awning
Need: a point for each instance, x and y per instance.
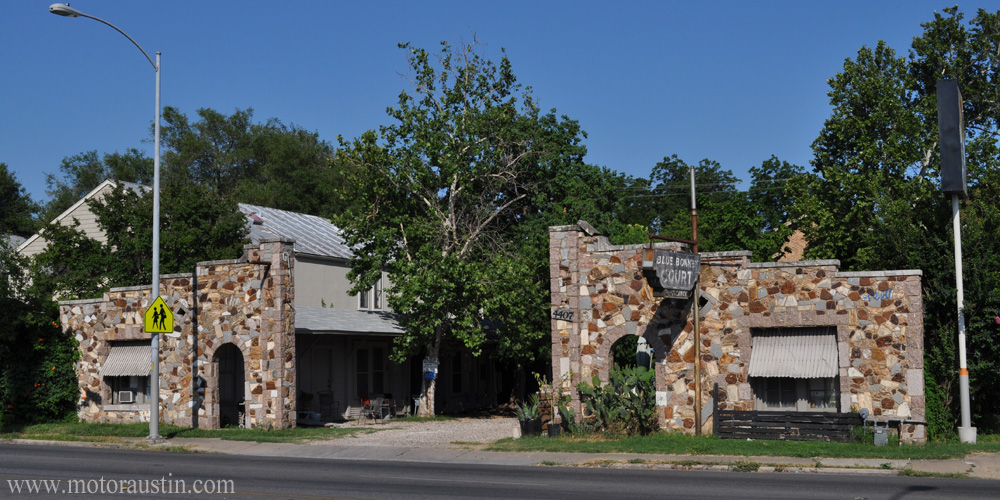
(129, 358)
(795, 353)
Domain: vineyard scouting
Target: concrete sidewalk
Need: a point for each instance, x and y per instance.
(986, 466)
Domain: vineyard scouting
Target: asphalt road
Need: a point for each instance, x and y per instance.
(102, 473)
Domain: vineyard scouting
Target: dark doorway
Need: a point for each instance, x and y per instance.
(229, 360)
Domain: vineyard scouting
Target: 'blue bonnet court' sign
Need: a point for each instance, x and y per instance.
(677, 271)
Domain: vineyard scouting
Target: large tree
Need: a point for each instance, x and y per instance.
(432, 189)
(269, 163)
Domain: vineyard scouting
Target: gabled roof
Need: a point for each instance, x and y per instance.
(93, 192)
(313, 235)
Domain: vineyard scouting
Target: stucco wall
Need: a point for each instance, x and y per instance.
(600, 293)
(246, 302)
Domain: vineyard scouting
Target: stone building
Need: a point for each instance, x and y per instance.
(790, 336)
(231, 353)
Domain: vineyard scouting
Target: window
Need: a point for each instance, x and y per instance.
(126, 371)
(373, 298)
(783, 393)
(128, 390)
(795, 369)
(369, 366)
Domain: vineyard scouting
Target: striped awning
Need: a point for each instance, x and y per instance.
(794, 353)
(129, 358)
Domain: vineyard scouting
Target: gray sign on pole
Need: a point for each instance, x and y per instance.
(677, 271)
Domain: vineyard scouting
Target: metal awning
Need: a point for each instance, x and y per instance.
(329, 321)
(794, 353)
(128, 359)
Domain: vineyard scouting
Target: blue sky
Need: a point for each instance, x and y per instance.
(732, 81)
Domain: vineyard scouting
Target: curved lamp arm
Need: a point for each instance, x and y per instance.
(65, 10)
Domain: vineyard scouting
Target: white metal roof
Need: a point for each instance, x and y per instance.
(794, 352)
(128, 358)
(312, 235)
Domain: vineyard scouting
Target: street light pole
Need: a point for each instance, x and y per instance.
(154, 404)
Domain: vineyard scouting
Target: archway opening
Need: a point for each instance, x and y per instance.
(631, 351)
(231, 382)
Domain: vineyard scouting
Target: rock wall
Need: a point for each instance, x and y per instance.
(245, 302)
(601, 293)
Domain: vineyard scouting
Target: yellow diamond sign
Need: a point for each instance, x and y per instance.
(159, 317)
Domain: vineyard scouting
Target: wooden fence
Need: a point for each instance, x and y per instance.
(783, 425)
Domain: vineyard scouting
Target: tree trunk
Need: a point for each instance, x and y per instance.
(429, 387)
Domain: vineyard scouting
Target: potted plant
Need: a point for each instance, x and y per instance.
(527, 415)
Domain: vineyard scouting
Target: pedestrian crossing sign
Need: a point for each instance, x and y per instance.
(159, 318)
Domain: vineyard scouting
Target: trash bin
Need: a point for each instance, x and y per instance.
(881, 433)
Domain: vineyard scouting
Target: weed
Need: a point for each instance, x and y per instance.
(885, 465)
(637, 461)
(745, 466)
(549, 463)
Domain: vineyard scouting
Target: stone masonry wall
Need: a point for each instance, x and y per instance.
(601, 293)
(246, 302)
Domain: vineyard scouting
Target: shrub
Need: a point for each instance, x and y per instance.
(626, 404)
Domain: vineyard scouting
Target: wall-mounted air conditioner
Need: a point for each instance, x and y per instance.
(126, 397)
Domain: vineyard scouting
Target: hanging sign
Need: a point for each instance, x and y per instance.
(677, 271)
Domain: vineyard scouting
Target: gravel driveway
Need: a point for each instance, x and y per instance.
(465, 432)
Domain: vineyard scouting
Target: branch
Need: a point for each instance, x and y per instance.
(927, 159)
(479, 228)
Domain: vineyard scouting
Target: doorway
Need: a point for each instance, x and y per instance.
(229, 361)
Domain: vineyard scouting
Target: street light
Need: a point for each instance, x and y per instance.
(154, 405)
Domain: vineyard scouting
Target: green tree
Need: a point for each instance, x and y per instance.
(19, 210)
(758, 219)
(37, 378)
(670, 198)
(269, 164)
(83, 172)
(432, 189)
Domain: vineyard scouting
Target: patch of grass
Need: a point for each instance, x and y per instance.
(916, 473)
(637, 461)
(682, 444)
(94, 432)
(745, 466)
(602, 463)
(549, 463)
(466, 443)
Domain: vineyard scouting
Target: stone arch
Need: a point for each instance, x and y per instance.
(225, 385)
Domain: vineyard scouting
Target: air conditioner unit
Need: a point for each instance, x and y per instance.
(126, 397)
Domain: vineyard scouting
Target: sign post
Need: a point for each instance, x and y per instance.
(157, 319)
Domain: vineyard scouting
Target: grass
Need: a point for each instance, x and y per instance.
(78, 431)
(680, 444)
